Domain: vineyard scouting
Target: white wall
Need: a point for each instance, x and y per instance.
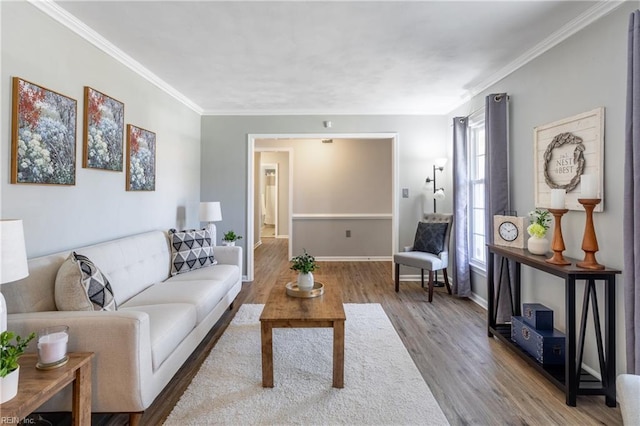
(586, 71)
(38, 49)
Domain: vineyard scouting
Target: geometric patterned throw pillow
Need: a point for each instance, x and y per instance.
(430, 237)
(190, 250)
(81, 286)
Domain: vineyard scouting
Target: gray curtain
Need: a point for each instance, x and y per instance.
(497, 195)
(462, 284)
(632, 199)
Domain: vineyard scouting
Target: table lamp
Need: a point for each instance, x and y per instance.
(13, 256)
(210, 212)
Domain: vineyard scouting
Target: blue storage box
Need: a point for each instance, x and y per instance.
(537, 316)
(546, 346)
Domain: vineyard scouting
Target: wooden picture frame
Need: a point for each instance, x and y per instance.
(565, 150)
(43, 135)
(141, 159)
(103, 144)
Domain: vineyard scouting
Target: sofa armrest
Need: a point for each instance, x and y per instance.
(121, 342)
(628, 389)
(228, 255)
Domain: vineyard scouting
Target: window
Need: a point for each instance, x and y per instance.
(476, 141)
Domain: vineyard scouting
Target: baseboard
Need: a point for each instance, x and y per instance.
(244, 279)
(258, 244)
(479, 300)
(354, 258)
(283, 237)
(417, 277)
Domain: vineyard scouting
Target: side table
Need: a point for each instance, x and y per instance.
(37, 386)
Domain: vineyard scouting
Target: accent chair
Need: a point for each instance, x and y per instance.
(430, 250)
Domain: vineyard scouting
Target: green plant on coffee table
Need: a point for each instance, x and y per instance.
(539, 223)
(304, 263)
(10, 352)
(231, 236)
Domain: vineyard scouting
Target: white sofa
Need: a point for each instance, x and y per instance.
(628, 390)
(159, 322)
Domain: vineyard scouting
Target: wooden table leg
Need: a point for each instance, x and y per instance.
(81, 404)
(338, 354)
(267, 354)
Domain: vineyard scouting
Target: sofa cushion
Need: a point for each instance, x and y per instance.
(169, 323)
(430, 237)
(203, 294)
(190, 250)
(221, 272)
(81, 286)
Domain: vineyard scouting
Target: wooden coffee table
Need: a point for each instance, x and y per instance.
(284, 311)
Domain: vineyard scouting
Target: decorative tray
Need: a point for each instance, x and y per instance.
(293, 290)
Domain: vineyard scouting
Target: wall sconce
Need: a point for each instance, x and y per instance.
(438, 193)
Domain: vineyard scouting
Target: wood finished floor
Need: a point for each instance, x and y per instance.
(475, 379)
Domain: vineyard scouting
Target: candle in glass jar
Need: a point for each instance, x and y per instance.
(588, 186)
(52, 347)
(557, 198)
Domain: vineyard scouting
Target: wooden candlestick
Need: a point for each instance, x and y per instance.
(589, 241)
(557, 245)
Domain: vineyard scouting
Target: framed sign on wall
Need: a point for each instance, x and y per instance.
(565, 150)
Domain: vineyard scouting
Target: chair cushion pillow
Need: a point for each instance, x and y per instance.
(81, 286)
(430, 237)
(190, 250)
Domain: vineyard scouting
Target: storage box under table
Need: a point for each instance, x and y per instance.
(546, 346)
(537, 316)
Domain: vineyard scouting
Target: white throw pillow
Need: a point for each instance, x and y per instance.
(81, 286)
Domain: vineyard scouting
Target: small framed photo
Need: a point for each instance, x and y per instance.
(103, 131)
(141, 159)
(43, 135)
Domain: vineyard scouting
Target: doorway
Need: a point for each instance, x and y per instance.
(253, 199)
(269, 195)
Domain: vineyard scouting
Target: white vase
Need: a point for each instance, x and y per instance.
(228, 243)
(9, 385)
(305, 281)
(537, 245)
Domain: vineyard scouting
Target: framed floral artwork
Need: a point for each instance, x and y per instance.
(103, 131)
(141, 159)
(43, 135)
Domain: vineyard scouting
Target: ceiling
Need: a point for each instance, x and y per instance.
(329, 57)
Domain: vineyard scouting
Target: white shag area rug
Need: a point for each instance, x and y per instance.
(382, 385)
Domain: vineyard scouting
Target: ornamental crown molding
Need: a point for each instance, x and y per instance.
(601, 8)
(50, 8)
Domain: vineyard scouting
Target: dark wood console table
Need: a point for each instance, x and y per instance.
(571, 378)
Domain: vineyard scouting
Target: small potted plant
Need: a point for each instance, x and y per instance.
(305, 264)
(538, 243)
(9, 368)
(229, 238)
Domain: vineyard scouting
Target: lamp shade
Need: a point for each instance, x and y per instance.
(439, 194)
(13, 253)
(440, 162)
(210, 211)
